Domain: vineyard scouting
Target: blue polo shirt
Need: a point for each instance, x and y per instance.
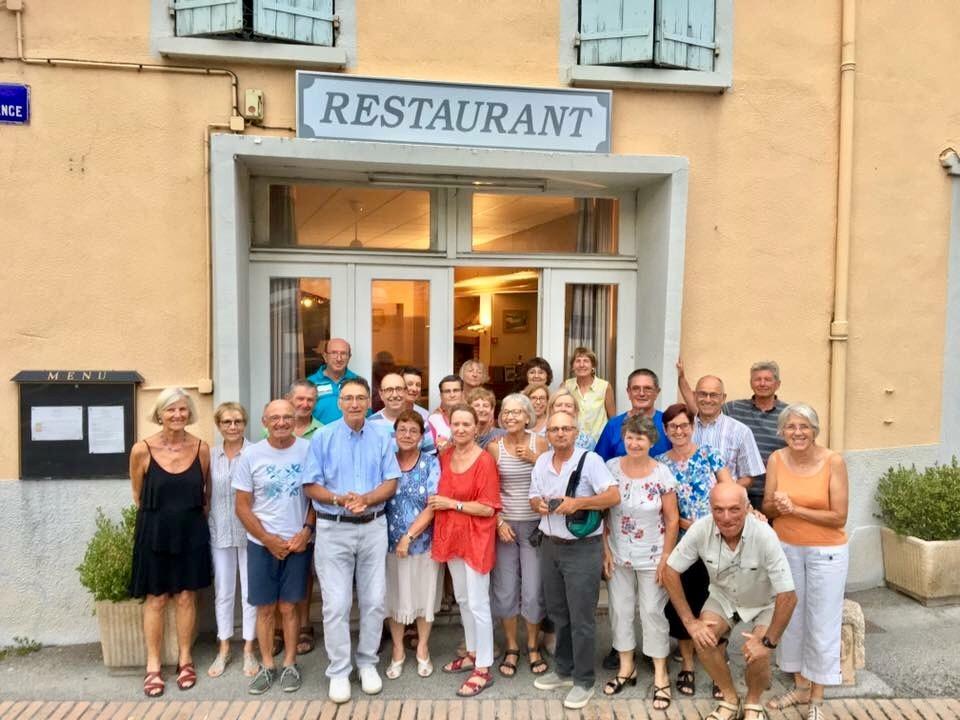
(328, 391)
(345, 460)
(610, 444)
(426, 443)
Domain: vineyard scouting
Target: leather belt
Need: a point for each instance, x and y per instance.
(565, 541)
(353, 519)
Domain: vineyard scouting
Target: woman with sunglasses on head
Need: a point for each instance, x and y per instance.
(696, 470)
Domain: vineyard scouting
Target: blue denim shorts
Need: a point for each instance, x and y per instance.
(270, 580)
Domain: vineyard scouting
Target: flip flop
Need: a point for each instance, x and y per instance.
(219, 664)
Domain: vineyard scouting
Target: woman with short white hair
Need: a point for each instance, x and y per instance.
(169, 474)
(806, 499)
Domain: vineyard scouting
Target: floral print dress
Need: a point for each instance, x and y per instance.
(636, 522)
(695, 477)
(415, 486)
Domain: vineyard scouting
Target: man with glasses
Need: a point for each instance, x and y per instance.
(760, 413)
(569, 566)
(643, 389)
(393, 394)
(351, 471)
(336, 355)
(279, 523)
(730, 437)
(451, 395)
(750, 582)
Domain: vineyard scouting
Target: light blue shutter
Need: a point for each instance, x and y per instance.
(616, 32)
(207, 17)
(686, 34)
(305, 21)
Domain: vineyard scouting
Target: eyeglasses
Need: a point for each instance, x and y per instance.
(337, 353)
(403, 431)
(512, 413)
(392, 390)
(233, 422)
(678, 427)
(796, 428)
(643, 390)
(350, 399)
(280, 418)
(561, 429)
(701, 395)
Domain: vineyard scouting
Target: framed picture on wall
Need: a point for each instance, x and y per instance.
(509, 373)
(516, 321)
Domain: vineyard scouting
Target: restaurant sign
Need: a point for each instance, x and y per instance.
(346, 107)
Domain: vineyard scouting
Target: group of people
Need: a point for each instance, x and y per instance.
(701, 517)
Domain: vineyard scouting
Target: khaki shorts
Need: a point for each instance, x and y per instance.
(714, 606)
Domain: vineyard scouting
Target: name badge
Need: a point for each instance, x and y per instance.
(324, 389)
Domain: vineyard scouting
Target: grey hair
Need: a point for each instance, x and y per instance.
(166, 398)
(800, 410)
(770, 365)
(524, 402)
(301, 383)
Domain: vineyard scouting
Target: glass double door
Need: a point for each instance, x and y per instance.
(434, 318)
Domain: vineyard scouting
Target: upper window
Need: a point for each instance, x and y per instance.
(544, 224)
(310, 22)
(668, 44)
(659, 33)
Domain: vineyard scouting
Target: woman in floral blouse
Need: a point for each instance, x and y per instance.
(411, 572)
(696, 470)
(640, 534)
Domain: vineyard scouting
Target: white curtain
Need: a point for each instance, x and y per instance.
(592, 307)
(286, 340)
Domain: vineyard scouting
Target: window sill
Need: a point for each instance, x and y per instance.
(606, 76)
(312, 57)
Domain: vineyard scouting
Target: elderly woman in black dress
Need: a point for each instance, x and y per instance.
(169, 472)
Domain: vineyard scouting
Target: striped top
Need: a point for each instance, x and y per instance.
(515, 483)
(763, 425)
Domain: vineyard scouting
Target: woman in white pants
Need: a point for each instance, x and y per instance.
(228, 542)
(638, 537)
(464, 537)
(806, 497)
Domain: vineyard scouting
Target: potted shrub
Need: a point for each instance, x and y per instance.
(105, 572)
(921, 540)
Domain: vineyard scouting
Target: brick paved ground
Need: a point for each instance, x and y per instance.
(850, 709)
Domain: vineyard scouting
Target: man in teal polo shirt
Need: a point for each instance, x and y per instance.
(336, 354)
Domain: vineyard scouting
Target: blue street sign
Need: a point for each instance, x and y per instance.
(14, 104)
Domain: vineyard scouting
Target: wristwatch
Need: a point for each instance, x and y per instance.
(410, 537)
(459, 507)
(767, 642)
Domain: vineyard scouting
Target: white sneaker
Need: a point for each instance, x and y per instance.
(370, 681)
(339, 690)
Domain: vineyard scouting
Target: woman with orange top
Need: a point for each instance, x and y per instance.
(464, 537)
(806, 498)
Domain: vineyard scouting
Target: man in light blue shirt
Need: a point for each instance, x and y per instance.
(351, 471)
(393, 393)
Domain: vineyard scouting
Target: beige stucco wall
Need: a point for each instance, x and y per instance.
(102, 204)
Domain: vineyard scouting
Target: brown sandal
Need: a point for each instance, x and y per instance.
(186, 676)
(153, 685)
(472, 689)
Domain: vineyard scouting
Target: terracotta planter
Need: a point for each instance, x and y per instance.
(926, 570)
(121, 634)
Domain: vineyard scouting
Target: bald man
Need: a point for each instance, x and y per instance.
(750, 583)
(274, 510)
(711, 427)
(336, 356)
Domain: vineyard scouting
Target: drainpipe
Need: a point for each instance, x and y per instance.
(839, 327)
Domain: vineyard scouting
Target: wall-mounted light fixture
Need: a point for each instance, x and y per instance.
(458, 181)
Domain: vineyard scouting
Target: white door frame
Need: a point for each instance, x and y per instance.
(342, 312)
(440, 356)
(553, 317)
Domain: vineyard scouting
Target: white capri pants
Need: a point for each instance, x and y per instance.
(636, 591)
(472, 590)
(226, 562)
(811, 643)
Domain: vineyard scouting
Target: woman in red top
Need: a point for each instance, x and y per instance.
(464, 537)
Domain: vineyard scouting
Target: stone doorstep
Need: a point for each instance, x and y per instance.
(481, 709)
